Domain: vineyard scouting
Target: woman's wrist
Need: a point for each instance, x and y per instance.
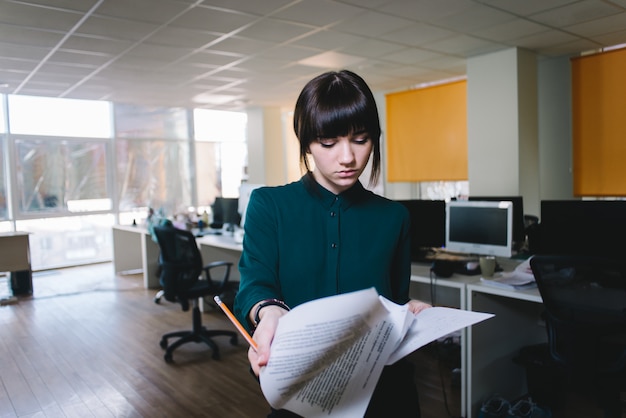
(264, 306)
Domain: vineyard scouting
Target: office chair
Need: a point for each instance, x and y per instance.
(585, 313)
(181, 268)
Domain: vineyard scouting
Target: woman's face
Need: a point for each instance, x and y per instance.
(340, 161)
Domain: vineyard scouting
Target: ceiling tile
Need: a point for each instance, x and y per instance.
(527, 7)
(410, 56)
(259, 8)
(89, 44)
(182, 37)
(577, 12)
(327, 39)
(425, 10)
(37, 17)
(372, 24)
(148, 11)
(109, 28)
(272, 30)
(418, 34)
(476, 18)
(510, 30)
(601, 26)
(372, 48)
(465, 46)
(213, 20)
(317, 12)
(20, 35)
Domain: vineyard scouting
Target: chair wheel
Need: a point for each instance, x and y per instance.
(157, 300)
(163, 343)
(168, 358)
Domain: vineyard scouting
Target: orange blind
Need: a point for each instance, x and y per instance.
(599, 124)
(427, 134)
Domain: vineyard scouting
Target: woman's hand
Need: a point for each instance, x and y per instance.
(417, 306)
(263, 336)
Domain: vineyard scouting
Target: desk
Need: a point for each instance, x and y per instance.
(221, 247)
(492, 345)
(134, 251)
(447, 292)
(487, 348)
(14, 252)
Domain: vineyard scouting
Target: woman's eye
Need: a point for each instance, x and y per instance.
(361, 139)
(327, 143)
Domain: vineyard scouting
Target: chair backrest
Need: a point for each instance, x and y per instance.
(585, 310)
(180, 260)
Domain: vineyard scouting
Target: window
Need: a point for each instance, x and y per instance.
(152, 174)
(32, 115)
(76, 164)
(60, 175)
(221, 153)
(152, 161)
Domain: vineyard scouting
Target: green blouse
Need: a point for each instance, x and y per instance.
(303, 242)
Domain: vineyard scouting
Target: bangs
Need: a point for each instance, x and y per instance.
(340, 120)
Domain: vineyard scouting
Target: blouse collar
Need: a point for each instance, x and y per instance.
(327, 198)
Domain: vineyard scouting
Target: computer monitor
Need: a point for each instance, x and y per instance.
(479, 227)
(245, 190)
(225, 211)
(583, 227)
(519, 229)
(428, 226)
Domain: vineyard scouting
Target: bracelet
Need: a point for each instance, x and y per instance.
(268, 302)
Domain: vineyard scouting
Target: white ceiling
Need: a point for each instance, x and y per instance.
(233, 53)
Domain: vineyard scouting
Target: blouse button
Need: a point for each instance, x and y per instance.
(332, 214)
(333, 245)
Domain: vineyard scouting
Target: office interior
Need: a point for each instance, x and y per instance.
(518, 98)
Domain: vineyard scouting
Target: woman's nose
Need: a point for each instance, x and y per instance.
(346, 154)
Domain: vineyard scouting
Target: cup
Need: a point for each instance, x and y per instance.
(487, 265)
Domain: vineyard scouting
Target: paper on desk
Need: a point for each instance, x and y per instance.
(327, 354)
(521, 277)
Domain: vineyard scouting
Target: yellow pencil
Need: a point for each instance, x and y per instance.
(237, 324)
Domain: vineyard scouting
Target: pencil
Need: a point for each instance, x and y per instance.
(237, 324)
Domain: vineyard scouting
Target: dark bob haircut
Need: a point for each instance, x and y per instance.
(337, 104)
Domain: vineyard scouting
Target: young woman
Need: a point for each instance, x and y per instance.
(326, 234)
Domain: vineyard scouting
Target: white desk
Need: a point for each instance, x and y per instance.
(487, 348)
(492, 345)
(221, 248)
(446, 292)
(135, 251)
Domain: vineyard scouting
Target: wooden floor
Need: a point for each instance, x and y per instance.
(86, 344)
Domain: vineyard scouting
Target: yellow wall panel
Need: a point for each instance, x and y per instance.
(599, 124)
(427, 134)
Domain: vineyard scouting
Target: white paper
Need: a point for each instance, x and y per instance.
(328, 354)
(432, 324)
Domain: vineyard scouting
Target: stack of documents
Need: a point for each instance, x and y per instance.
(327, 354)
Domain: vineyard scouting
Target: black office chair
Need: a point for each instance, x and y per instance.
(585, 314)
(181, 268)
